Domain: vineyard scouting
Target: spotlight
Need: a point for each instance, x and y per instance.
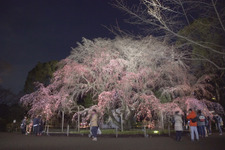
(155, 131)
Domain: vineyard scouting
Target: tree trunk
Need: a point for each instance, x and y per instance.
(161, 120)
(121, 121)
(127, 124)
(114, 119)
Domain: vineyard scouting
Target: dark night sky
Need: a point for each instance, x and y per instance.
(44, 30)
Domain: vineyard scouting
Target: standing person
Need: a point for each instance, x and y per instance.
(94, 124)
(23, 125)
(29, 126)
(208, 124)
(219, 123)
(201, 124)
(193, 124)
(40, 126)
(178, 126)
(36, 125)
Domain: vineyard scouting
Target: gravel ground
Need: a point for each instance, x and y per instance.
(16, 141)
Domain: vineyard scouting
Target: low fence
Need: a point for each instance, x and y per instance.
(70, 130)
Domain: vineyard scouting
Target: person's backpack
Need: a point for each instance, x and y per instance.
(193, 120)
(202, 118)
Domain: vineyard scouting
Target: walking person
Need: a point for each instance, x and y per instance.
(178, 125)
(219, 123)
(193, 124)
(36, 125)
(23, 125)
(201, 124)
(94, 124)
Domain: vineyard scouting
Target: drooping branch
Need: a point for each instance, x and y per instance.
(127, 76)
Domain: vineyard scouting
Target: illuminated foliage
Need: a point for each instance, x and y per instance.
(122, 75)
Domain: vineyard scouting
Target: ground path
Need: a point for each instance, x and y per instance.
(15, 141)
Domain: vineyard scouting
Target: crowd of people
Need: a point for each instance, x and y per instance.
(200, 126)
(36, 125)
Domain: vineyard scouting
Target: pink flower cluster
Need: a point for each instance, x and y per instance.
(123, 77)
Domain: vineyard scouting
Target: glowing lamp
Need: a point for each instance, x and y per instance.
(155, 131)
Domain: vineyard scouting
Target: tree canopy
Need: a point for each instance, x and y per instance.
(124, 76)
(42, 73)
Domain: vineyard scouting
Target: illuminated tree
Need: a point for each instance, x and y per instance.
(123, 76)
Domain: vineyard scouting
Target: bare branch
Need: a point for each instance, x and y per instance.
(218, 16)
(185, 14)
(164, 15)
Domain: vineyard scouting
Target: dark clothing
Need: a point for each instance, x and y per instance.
(41, 126)
(94, 131)
(36, 130)
(36, 126)
(23, 130)
(35, 121)
(23, 126)
(178, 135)
(24, 122)
(201, 131)
(217, 119)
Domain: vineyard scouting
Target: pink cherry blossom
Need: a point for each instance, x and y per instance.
(123, 76)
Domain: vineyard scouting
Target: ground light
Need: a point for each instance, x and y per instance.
(155, 131)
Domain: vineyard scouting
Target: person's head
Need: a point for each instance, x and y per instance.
(190, 110)
(94, 111)
(177, 112)
(199, 112)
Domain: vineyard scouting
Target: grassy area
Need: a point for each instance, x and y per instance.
(113, 131)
